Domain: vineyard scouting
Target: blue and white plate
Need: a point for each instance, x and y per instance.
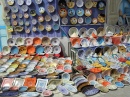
(71, 12)
(80, 12)
(88, 20)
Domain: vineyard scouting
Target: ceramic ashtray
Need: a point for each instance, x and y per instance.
(51, 8)
(6, 50)
(55, 41)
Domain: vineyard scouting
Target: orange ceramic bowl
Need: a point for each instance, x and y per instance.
(37, 41)
(31, 49)
(95, 70)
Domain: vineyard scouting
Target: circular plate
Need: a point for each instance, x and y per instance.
(88, 20)
(101, 5)
(63, 13)
(20, 2)
(56, 49)
(11, 42)
(14, 9)
(34, 21)
(48, 28)
(64, 21)
(85, 42)
(80, 12)
(41, 10)
(51, 8)
(71, 12)
(6, 50)
(10, 2)
(20, 15)
(28, 2)
(48, 18)
(92, 33)
(55, 41)
(27, 23)
(20, 41)
(31, 49)
(70, 4)
(80, 20)
(24, 8)
(14, 50)
(55, 18)
(39, 49)
(73, 32)
(41, 27)
(110, 30)
(26, 15)
(73, 20)
(79, 3)
(56, 26)
(38, 1)
(28, 41)
(46, 41)
(88, 4)
(51, 70)
(88, 12)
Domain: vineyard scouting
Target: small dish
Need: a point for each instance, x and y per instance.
(14, 9)
(41, 27)
(28, 2)
(56, 49)
(94, 21)
(48, 49)
(63, 13)
(39, 49)
(108, 40)
(51, 87)
(14, 50)
(68, 68)
(80, 20)
(51, 8)
(55, 18)
(48, 28)
(15, 23)
(79, 3)
(63, 90)
(30, 49)
(38, 1)
(110, 30)
(34, 21)
(48, 18)
(73, 32)
(47, 93)
(56, 27)
(92, 33)
(88, 20)
(24, 8)
(34, 29)
(20, 2)
(27, 23)
(14, 16)
(64, 21)
(71, 12)
(71, 88)
(37, 41)
(46, 41)
(80, 12)
(41, 10)
(28, 41)
(30, 82)
(10, 2)
(33, 12)
(40, 18)
(75, 42)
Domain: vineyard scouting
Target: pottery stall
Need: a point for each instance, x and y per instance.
(33, 64)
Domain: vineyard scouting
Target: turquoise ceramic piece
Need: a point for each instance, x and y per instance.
(14, 50)
(80, 12)
(71, 12)
(39, 49)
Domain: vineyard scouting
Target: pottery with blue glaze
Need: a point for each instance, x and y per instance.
(71, 12)
(23, 89)
(39, 49)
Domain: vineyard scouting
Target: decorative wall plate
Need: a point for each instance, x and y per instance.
(20, 2)
(14, 9)
(6, 50)
(88, 4)
(88, 20)
(41, 10)
(10, 2)
(24, 8)
(64, 21)
(71, 12)
(55, 18)
(48, 49)
(28, 2)
(20, 41)
(56, 49)
(38, 1)
(55, 41)
(70, 4)
(80, 11)
(39, 49)
(37, 41)
(110, 30)
(46, 41)
(80, 20)
(73, 32)
(88, 12)
(51, 8)
(79, 3)
(92, 33)
(28, 41)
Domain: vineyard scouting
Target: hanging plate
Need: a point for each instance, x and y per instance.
(38, 1)
(14, 9)
(28, 2)
(117, 29)
(20, 2)
(24, 8)
(10, 2)
(110, 30)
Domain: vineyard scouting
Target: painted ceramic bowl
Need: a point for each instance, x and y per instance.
(56, 26)
(37, 41)
(73, 32)
(38, 1)
(41, 27)
(89, 4)
(101, 41)
(33, 12)
(85, 42)
(55, 18)
(20, 41)
(63, 13)
(75, 42)
(46, 41)
(80, 12)
(81, 54)
(79, 3)
(28, 41)
(48, 18)
(51, 8)
(47, 93)
(48, 50)
(66, 76)
(92, 33)
(14, 50)
(64, 21)
(56, 49)
(101, 5)
(83, 32)
(6, 50)
(70, 4)
(55, 41)
(108, 40)
(39, 49)
(88, 12)
(71, 12)
(34, 21)
(73, 20)
(31, 49)
(117, 29)
(41, 10)
(110, 30)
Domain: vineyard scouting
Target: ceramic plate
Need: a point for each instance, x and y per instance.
(85, 42)
(80, 12)
(64, 21)
(46, 41)
(48, 28)
(51, 70)
(80, 20)
(71, 88)
(101, 5)
(28, 41)
(24, 8)
(88, 20)
(55, 18)
(92, 33)
(68, 68)
(21, 22)
(100, 31)
(51, 8)
(37, 41)
(48, 49)
(20, 2)
(63, 90)
(56, 49)
(66, 76)
(88, 4)
(73, 32)
(29, 94)
(19, 41)
(127, 29)
(83, 32)
(6, 50)
(71, 12)
(88, 12)
(110, 30)
(55, 41)
(56, 27)
(14, 9)
(28, 2)
(34, 21)
(38, 1)
(79, 3)
(41, 10)
(10, 2)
